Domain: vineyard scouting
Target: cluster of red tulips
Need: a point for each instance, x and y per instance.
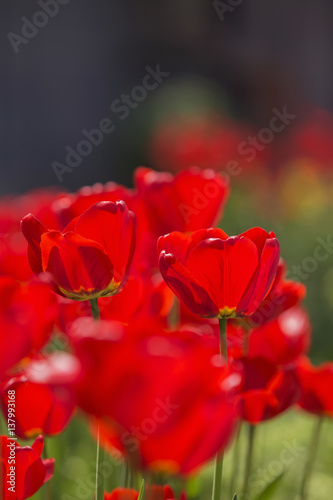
(175, 333)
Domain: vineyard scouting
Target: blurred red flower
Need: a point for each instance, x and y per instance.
(72, 205)
(267, 390)
(316, 384)
(312, 139)
(207, 142)
(193, 199)
(220, 276)
(44, 395)
(91, 258)
(283, 295)
(40, 201)
(13, 257)
(23, 328)
(30, 472)
(282, 340)
(152, 492)
(164, 398)
(122, 494)
(13, 253)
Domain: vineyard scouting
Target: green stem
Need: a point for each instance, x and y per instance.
(2, 425)
(127, 475)
(100, 451)
(95, 308)
(99, 475)
(174, 314)
(223, 337)
(311, 458)
(218, 468)
(47, 490)
(217, 480)
(248, 461)
(235, 461)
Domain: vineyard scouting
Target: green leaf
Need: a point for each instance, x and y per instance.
(142, 490)
(234, 497)
(270, 488)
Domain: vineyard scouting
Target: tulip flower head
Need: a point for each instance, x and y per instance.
(31, 472)
(220, 276)
(91, 258)
(44, 395)
(169, 387)
(316, 384)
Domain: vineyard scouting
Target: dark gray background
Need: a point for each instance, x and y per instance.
(263, 53)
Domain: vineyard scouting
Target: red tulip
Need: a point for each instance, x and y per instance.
(152, 492)
(220, 276)
(316, 385)
(191, 200)
(44, 395)
(91, 258)
(167, 401)
(22, 469)
(23, 328)
(267, 390)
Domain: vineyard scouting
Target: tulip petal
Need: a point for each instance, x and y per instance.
(224, 269)
(32, 230)
(49, 468)
(175, 243)
(253, 405)
(30, 470)
(181, 244)
(80, 266)
(112, 225)
(259, 237)
(185, 286)
(262, 280)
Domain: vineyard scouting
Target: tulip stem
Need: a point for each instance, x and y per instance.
(223, 337)
(235, 461)
(2, 425)
(100, 451)
(218, 468)
(47, 486)
(248, 462)
(217, 480)
(311, 458)
(126, 475)
(99, 474)
(95, 308)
